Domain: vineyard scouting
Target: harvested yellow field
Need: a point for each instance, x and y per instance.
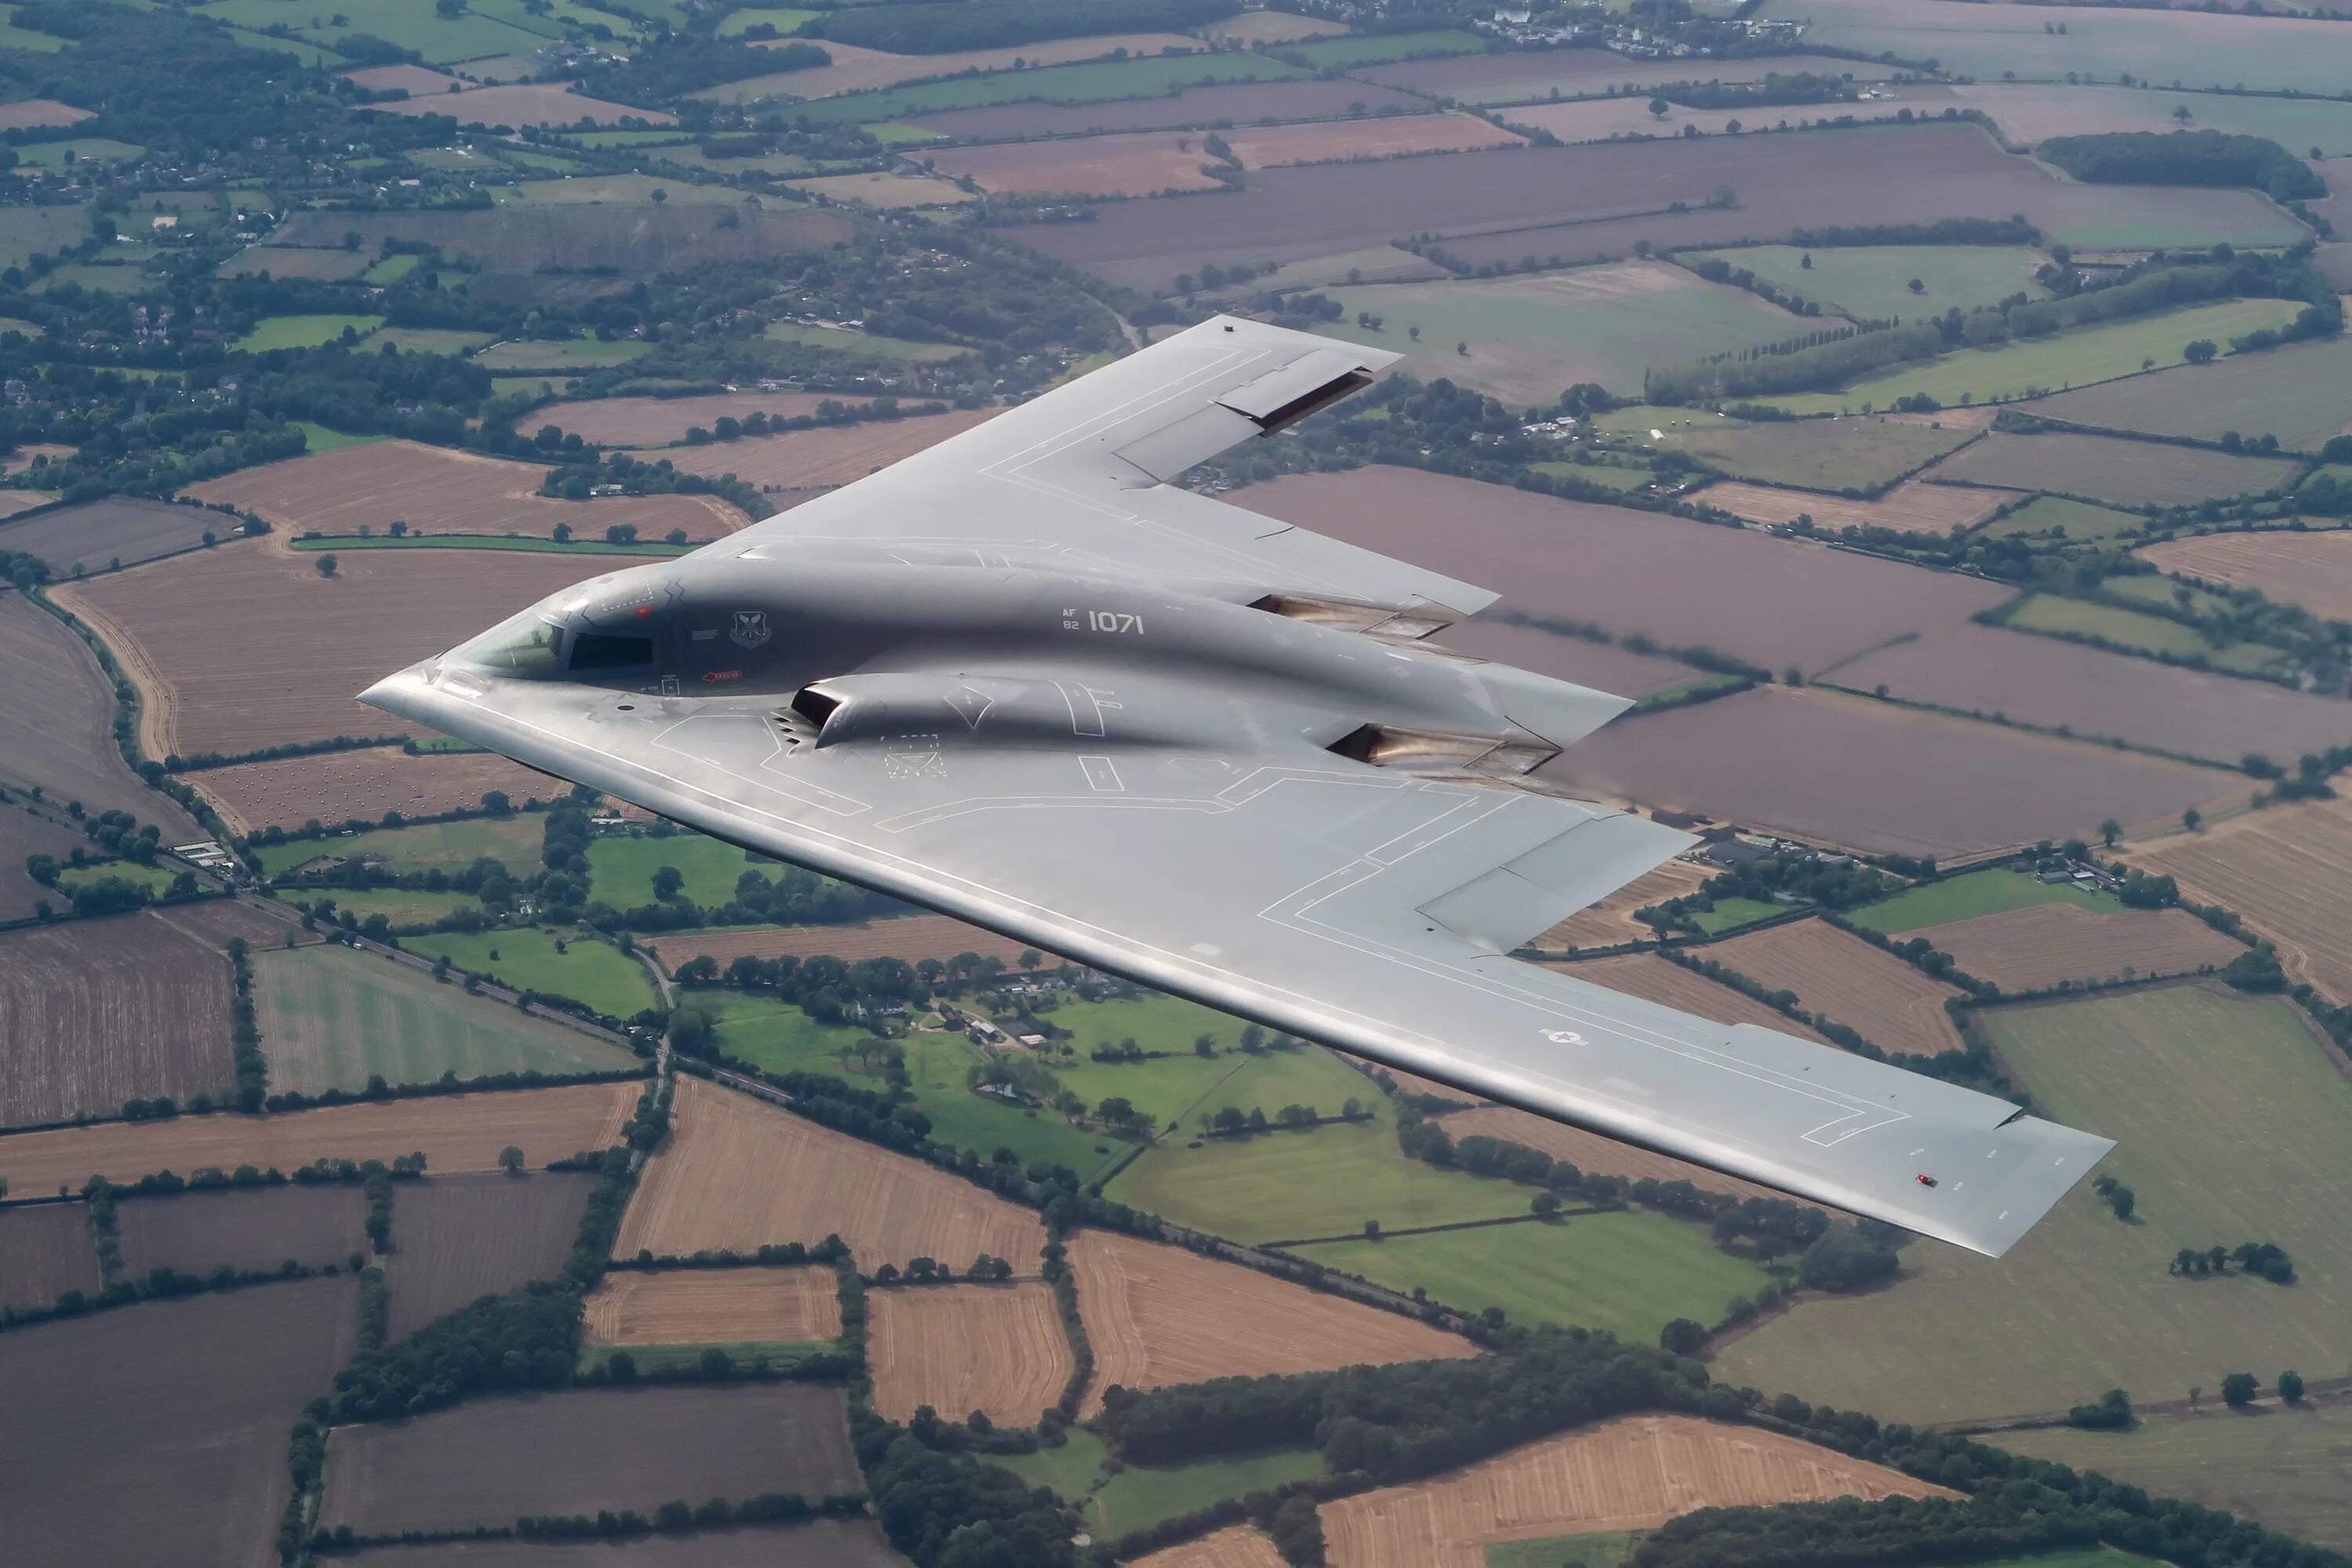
(1611, 922)
(2035, 948)
(1669, 984)
(738, 1173)
(852, 68)
(999, 1348)
(714, 1306)
(1847, 981)
(457, 1132)
(2314, 570)
(1912, 507)
(338, 785)
(1591, 1152)
(1157, 1316)
(2288, 871)
(1240, 1547)
(1631, 1473)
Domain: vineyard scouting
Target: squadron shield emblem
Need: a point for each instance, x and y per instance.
(750, 628)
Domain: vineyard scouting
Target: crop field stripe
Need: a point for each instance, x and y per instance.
(1895, 1008)
(2288, 870)
(999, 1348)
(714, 1306)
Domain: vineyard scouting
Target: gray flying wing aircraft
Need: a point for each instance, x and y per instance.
(1026, 679)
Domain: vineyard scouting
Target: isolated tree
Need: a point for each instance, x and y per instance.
(1806, 261)
(2199, 351)
(1916, 287)
(2238, 1390)
(2109, 831)
(667, 880)
(1204, 1046)
(511, 1160)
(2180, 113)
(1413, 333)
(2191, 818)
(1544, 1205)
(1031, 959)
(1658, 107)
(1683, 1336)
(327, 564)
(2290, 1387)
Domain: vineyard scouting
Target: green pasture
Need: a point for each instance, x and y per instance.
(1136, 1496)
(577, 353)
(1602, 1549)
(440, 40)
(1324, 1182)
(1381, 49)
(332, 1018)
(1872, 282)
(56, 155)
(592, 972)
(450, 846)
(1815, 453)
(2229, 1121)
(1156, 1022)
(2301, 394)
(2156, 588)
(99, 278)
(2126, 628)
(13, 37)
(306, 54)
(606, 139)
(626, 189)
(154, 878)
(777, 1036)
(403, 907)
(1730, 914)
(1097, 82)
(783, 20)
(1307, 1075)
(319, 438)
(2051, 517)
(2040, 366)
(621, 867)
(423, 340)
(849, 341)
(938, 1063)
(303, 331)
(1609, 474)
(1627, 1271)
(1992, 891)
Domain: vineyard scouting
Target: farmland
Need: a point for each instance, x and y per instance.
(457, 1237)
(436, 490)
(2059, 616)
(304, 332)
(595, 973)
(1589, 1151)
(23, 836)
(1138, 163)
(1872, 282)
(1776, 602)
(1844, 978)
(1611, 922)
(832, 455)
(2102, 468)
(1602, 666)
(98, 1011)
(1911, 507)
(2314, 570)
(998, 1349)
(210, 686)
(1523, 77)
(2028, 114)
(2221, 1105)
(1860, 773)
(1972, 896)
(835, 1543)
(1233, 104)
(738, 1173)
(1816, 454)
(44, 1251)
(910, 937)
(2292, 393)
(1294, 1185)
(338, 786)
(2288, 870)
(444, 846)
(333, 1018)
(659, 421)
(1239, 1546)
(647, 238)
(59, 733)
(1526, 338)
(157, 1433)
(714, 1306)
(1157, 1316)
(116, 531)
(2035, 949)
(457, 1132)
(623, 866)
(1084, 83)
(255, 1231)
(287, 262)
(2095, 693)
(633, 1448)
(1669, 984)
(1633, 1472)
(523, 104)
(855, 68)
(39, 113)
(2051, 518)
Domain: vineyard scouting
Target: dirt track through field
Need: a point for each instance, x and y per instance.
(2031, 949)
(2288, 871)
(714, 1306)
(1631, 1473)
(738, 1172)
(1849, 982)
(455, 1132)
(961, 1348)
(1157, 1316)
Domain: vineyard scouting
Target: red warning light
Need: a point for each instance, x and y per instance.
(1926, 1180)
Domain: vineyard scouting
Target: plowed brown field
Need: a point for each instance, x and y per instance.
(436, 490)
(338, 785)
(1591, 1152)
(458, 1133)
(1240, 1547)
(2314, 570)
(738, 1172)
(1654, 979)
(910, 937)
(1157, 1316)
(962, 1348)
(1611, 922)
(818, 459)
(1631, 1473)
(288, 662)
(1913, 507)
(658, 421)
(2031, 949)
(2288, 871)
(39, 113)
(45, 1250)
(1846, 980)
(1132, 163)
(714, 1306)
(855, 69)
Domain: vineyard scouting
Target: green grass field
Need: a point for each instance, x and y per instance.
(529, 355)
(1872, 282)
(1992, 891)
(154, 878)
(1628, 1272)
(1327, 1182)
(2229, 1123)
(450, 846)
(1609, 474)
(2045, 517)
(1155, 1022)
(13, 37)
(621, 868)
(330, 1017)
(1141, 1495)
(307, 54)
(441, 40)
(1602, 1549)
(1306, 1076)
(602, 139)
(401, 906)
(392, 268)
(592, 972)
(1380, 49)
(2282, 1466)
(2292, 393)
(321, 439)
(1810, 454)
(938, 1062)
(303, 331)
(1530, 337)
(777, 1036)
(2126, 628)
(783, 20)
(1097, 82)
(847, 342)
(425, 340)
(2038, 367)
(1730, 914)
(54, 155)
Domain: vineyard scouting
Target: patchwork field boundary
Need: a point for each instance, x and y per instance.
(2003, 722)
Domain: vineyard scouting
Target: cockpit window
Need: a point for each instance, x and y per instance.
(524, 645)
(600, 650)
